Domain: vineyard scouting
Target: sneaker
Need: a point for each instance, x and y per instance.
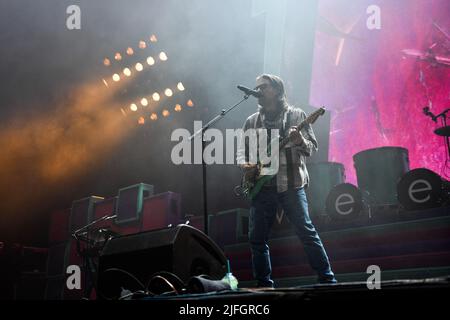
(327, 280)
(267, 285)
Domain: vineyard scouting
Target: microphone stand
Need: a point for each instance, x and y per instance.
(87, 262)
(443, 115)
(202, 132)
(78, 232)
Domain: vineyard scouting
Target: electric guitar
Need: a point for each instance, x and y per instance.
(251, 184)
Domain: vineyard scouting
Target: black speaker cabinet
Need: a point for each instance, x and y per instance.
(130, 261)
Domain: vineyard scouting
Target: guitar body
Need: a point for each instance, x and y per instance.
(253, 188)
(252, 185)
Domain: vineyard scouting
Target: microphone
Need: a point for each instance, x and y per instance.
(250, 92)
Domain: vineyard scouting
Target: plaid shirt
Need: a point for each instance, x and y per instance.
(292, 172)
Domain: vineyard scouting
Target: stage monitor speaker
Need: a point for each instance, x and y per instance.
(129, 262)
(130, 202)
(197, 222)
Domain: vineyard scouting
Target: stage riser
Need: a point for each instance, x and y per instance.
(413, 244)
(282, 270)
(296, 254)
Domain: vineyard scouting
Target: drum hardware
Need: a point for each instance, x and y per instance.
(443, 131)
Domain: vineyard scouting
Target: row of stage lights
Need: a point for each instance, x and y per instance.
(127, 71)
(157, 97)
(130, 51)
(164, 113)
(139, 66)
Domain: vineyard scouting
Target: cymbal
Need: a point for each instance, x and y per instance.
(427, 56)
(443, 131)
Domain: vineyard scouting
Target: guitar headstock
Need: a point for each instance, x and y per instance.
(315, 115)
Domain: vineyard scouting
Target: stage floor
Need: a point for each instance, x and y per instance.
(283, 303)
(340, 291)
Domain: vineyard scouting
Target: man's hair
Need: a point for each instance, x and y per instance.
(278, 84)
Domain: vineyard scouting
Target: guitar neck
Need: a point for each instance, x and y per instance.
(309, 120)
(286, 140)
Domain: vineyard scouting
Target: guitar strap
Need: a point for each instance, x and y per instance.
(289, 157)
(260, 123)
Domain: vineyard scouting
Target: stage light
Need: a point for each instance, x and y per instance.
(116, 77)
(190, 103)
(153, 116)
(163, 56)
(150, 61)
(165, 113)
(142, 44)
(127, 72)
(153, 38)
(133, 107)
(130, 51)
(180, 86)
(156, 96)
(107, 62)
(139, 66)
(141, 120)
(144, 102)
(118, 56)
(168, 92)
(178, 108)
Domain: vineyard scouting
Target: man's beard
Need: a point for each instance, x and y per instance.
(263, 102)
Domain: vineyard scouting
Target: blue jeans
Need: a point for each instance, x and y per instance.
(262, 215)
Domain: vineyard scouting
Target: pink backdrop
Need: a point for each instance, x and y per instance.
(376, 93)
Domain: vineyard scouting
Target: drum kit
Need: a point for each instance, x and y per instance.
(331, 196)
(443, 131)
(435, 58)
